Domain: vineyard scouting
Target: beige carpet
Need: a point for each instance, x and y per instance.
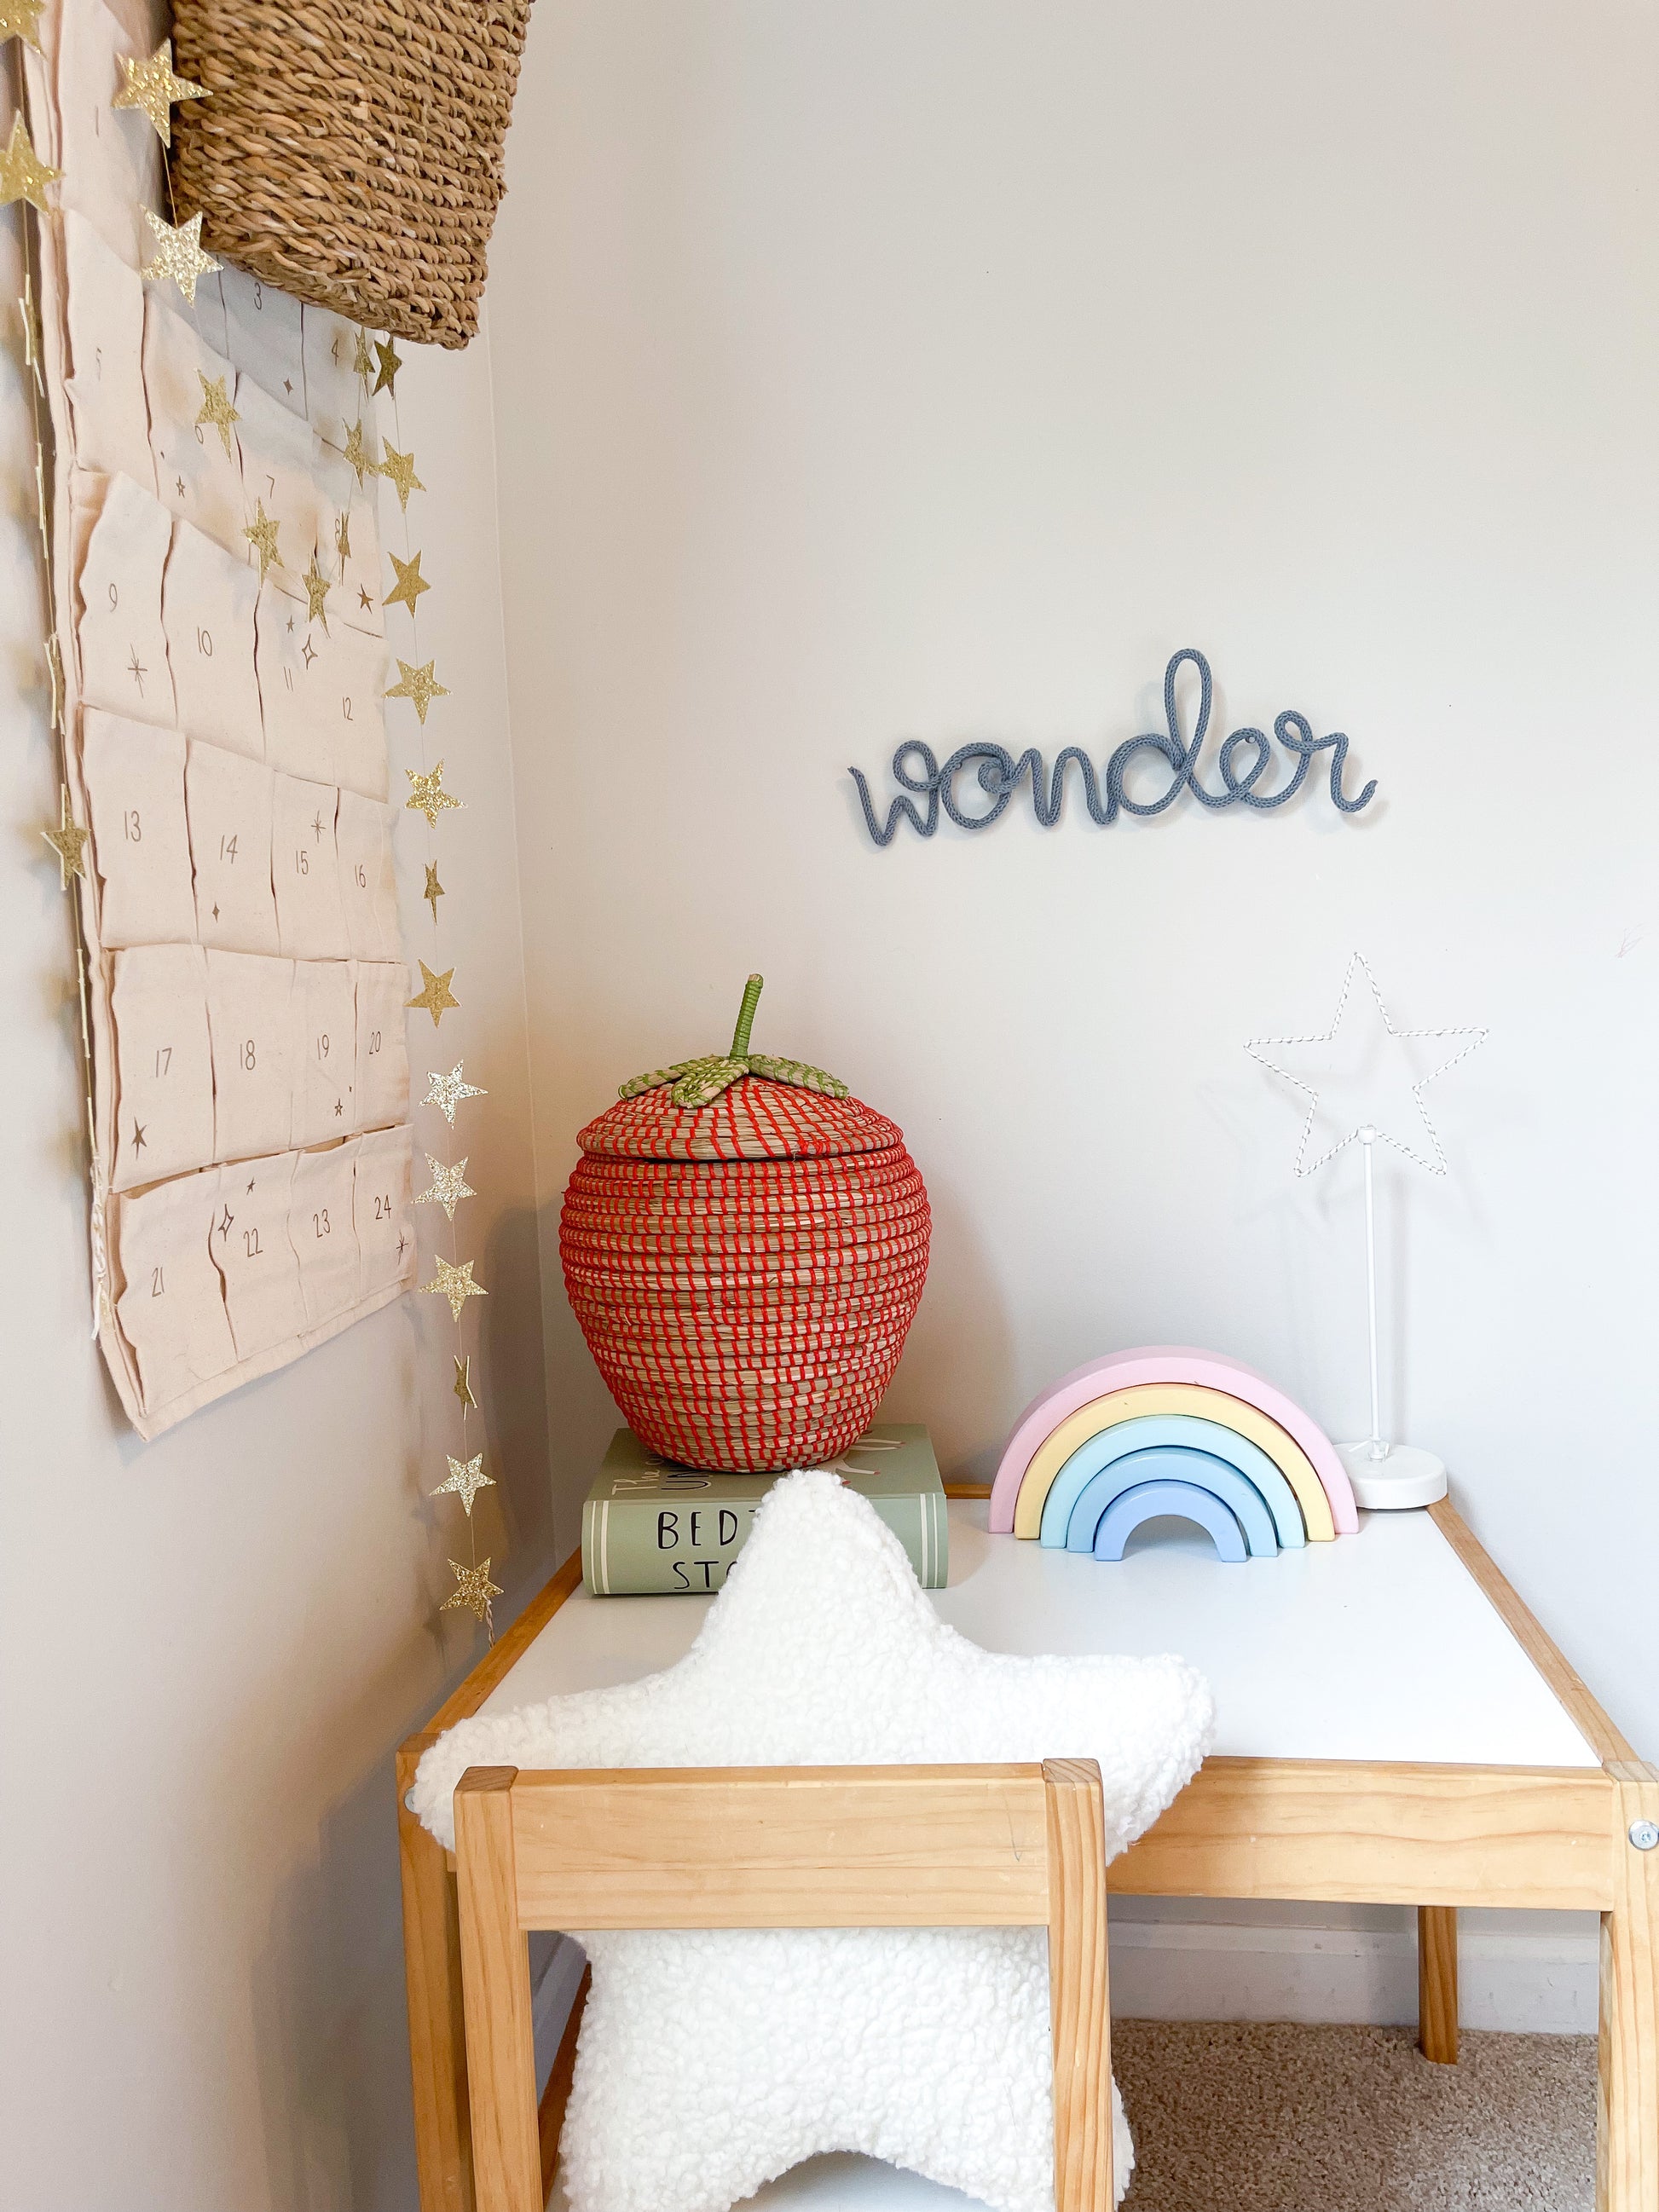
(1247, 2118)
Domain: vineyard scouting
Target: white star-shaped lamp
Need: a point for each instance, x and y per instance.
(1363, 1065)
(712, 2061)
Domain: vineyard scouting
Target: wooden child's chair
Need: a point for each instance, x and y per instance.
(778, 1847)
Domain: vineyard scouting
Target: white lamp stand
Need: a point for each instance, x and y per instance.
(1386, 1477)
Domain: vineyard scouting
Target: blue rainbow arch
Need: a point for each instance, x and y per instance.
(1211, 1457)
(1154, 1501)
(1195, 1470)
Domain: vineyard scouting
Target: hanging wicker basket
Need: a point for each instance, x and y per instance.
(745, 1271)
(351, 152)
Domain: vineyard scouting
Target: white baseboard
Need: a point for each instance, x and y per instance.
(1521, 1983)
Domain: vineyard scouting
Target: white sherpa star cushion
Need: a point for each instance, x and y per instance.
(710, 2061)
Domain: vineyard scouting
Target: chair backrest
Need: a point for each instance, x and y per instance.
(778, 1847)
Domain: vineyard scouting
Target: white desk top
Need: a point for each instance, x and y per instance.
(1378, 1646)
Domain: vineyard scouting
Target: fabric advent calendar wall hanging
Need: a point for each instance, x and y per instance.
(219, 658)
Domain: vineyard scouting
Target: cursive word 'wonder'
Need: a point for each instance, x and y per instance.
(1242, 760)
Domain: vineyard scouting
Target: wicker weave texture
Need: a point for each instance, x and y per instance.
(746, 1315)
(351, 152)
(755, 1120)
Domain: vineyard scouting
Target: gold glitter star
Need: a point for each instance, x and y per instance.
(421, 687)
(462, 1386)
(31, 319)
(449, 1187)
(411, 582)
(386, 353)
(474, 1590)
(360, 456)
(434, 891)
(152, 86)
(400, 469)
(466, 1478)
(261, 534)
(428, 797)
(362, 361)
(69, 843)
(216, 408)
(20, 19)
(448, 1090)
(179, 254)
(436, 998)
(455, 1284)
(23, 175)
(317, 587)
(342, 540)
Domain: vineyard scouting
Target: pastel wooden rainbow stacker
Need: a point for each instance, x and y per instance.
(1168, 1380)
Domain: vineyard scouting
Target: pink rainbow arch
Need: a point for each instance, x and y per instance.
(1165, 1363)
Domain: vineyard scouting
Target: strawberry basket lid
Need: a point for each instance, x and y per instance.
(740, 1105)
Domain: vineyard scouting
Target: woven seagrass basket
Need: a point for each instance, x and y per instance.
(746, 1271)
(351, 151)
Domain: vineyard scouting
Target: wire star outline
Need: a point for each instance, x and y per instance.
(1473, 1036)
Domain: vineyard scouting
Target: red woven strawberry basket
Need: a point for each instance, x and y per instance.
(744, 1246)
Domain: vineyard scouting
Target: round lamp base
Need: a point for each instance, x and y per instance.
(1406, 1476)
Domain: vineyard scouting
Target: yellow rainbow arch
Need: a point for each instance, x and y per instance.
(1199, 1399)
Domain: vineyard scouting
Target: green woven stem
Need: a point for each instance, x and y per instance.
(698, 1082)
(751, 991)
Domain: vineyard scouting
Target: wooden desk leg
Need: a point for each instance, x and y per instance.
(1077, 1986)
(507, 2153)
(1436, 1982)
(1627, 2117)
(437, 2034)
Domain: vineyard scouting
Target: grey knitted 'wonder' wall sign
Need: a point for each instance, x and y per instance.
(998, 774)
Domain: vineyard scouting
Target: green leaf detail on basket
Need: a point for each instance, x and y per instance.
(700, 1082)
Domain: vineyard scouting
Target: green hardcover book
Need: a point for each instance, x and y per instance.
(651, 1526)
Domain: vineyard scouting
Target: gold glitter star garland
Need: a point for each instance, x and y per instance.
(376, 364)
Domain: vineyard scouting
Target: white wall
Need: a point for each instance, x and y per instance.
(870, 369)
(210, 1646)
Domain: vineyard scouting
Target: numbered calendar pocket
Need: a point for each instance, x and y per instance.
(108, 413)
(293, 657)
(305, 867)
(119, 637)
(285, 469)
(171, 1308)
(325, 1068)
(111, 160)
(321, 1231)
(164, 1064)
(208, 599)
(251, 1017)
(334, 392)
(321, 695)
(385, 1231)
(262, 336)
(227, 800)
(362, 835)
(357, 713)
(249, 1249)
(382, 1089)
(199, 469)
(135, 783)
